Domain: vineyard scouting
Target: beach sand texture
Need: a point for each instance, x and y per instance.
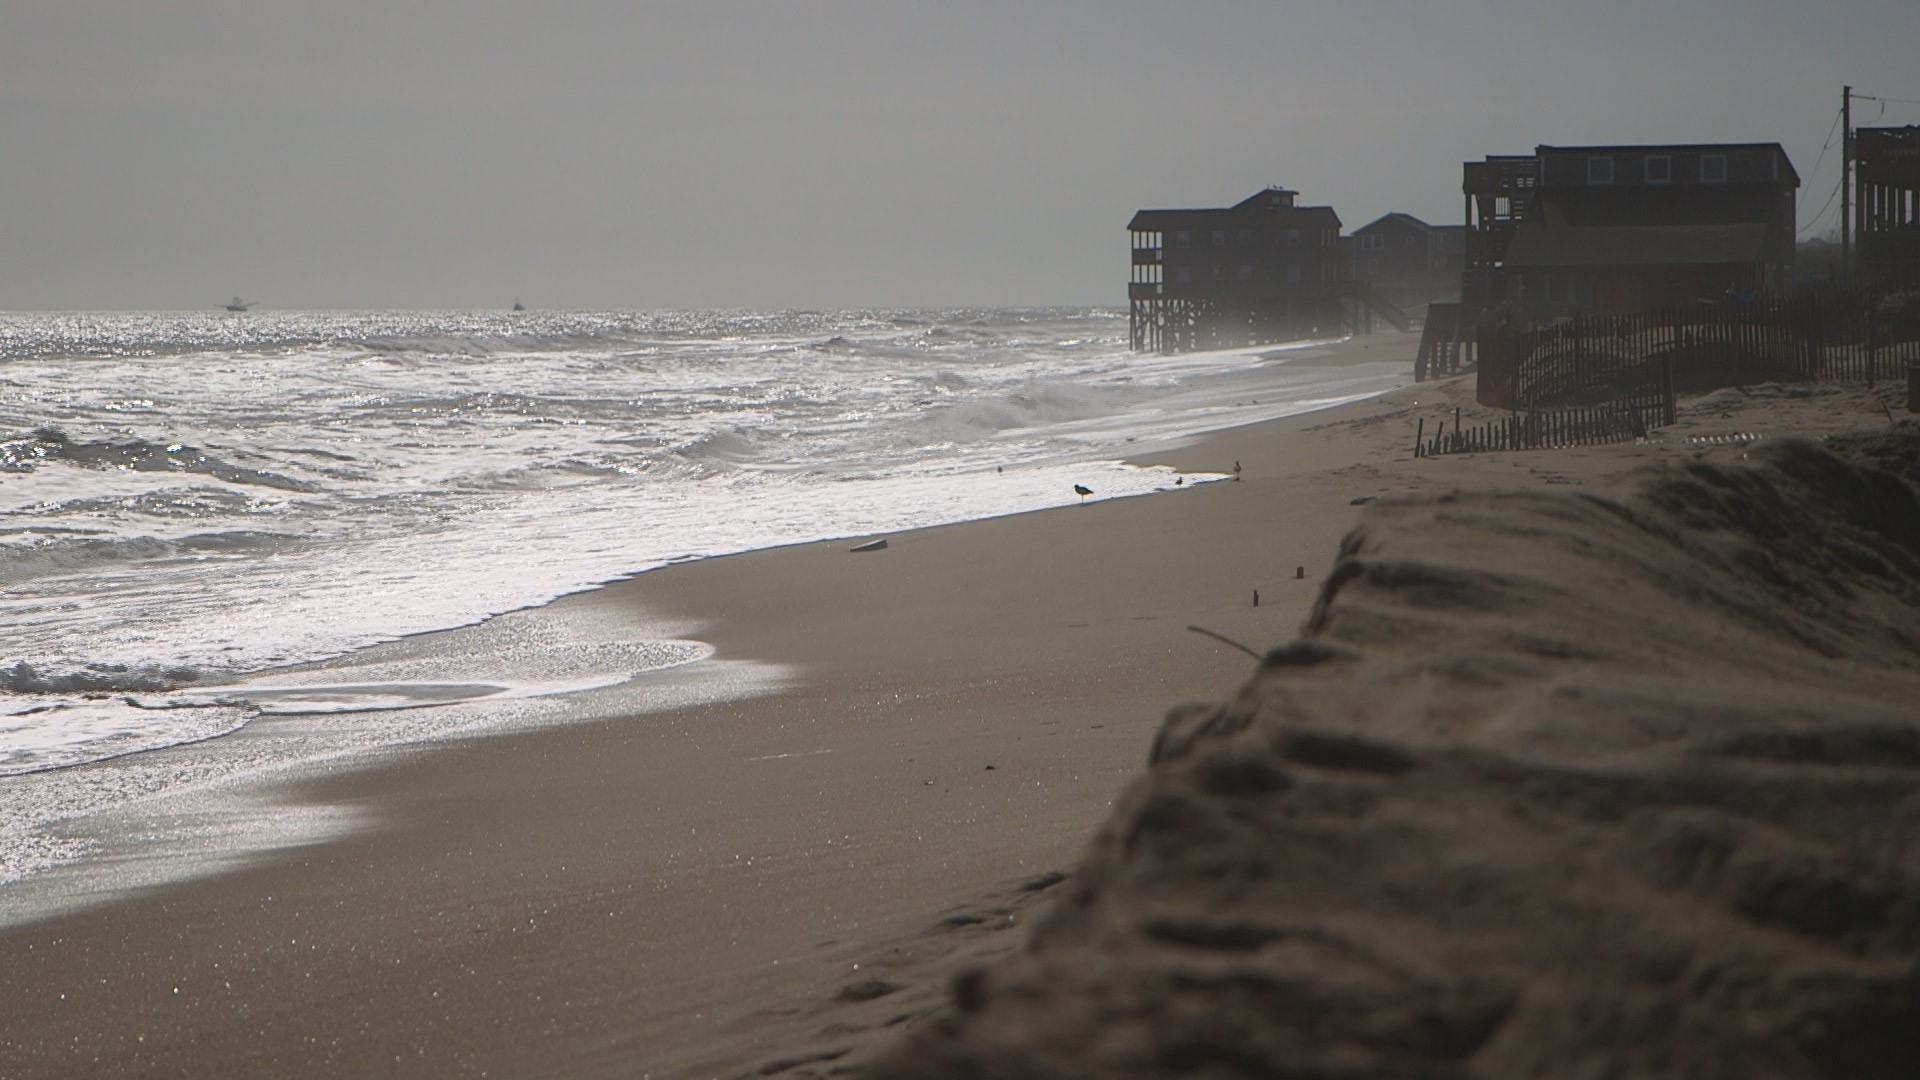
(788, 885)
(1619, 784)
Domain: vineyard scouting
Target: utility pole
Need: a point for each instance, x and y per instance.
(1846, 183)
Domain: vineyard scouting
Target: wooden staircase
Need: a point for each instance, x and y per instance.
(1366, 298)
(1443, 344)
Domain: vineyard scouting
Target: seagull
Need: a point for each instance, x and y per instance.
(1083, 491)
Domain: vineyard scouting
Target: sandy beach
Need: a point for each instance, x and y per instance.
(783, 884)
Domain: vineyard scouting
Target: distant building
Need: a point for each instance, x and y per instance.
(1409, 260)
(1265, 269)
(1887, 201)
(1628, 228)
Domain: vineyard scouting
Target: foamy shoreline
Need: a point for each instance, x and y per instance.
(165, 542)
(693, 892)
(897, 677)
(514, 671)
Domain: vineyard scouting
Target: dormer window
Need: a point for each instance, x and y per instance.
(1659, 169)
(1599, 170)
(1713, 168)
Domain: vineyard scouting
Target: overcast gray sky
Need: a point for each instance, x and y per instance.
(839, 153)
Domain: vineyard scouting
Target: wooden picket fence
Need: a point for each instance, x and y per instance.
(1609, 378)
(1621, 419)
(1851, 337)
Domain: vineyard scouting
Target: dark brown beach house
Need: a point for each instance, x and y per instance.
(1887, 198)
(1408, 260)
(1265, 269)
(1616, 229)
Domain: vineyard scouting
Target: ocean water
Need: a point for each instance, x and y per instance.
(192, 503)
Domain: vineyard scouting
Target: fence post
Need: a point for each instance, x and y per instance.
(1814, 347)
(1667, 389)
(1872, 345)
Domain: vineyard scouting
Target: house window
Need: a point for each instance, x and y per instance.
(1373, 268)
(1599, 170)
(1372, 241)
(1659, 169)
(1293, 271)
(1219, 238)
(1713, 168)
(1183, 274)
(1182, 238)
(1293, 238)
(1246, 237)
(1246, 272)
(1219, 273)
(1326, 271)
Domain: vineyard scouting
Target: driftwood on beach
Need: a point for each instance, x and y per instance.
(1575, 785)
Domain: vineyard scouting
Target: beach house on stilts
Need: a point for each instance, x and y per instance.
(1263, 270)
(1886, 224)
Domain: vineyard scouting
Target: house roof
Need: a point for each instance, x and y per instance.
(1393, 215)
(1244, 210)
(1676, 148)
(1534, 244)
(1273, 196)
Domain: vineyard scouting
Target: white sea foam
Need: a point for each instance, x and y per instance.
(188, 499)
(184, 498)
(75, 836)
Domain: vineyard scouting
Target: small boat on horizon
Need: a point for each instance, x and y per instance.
(517, 305)
(237, 304)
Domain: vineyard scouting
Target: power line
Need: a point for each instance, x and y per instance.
(1887, 100)
(1835, 126)
(1823, 210)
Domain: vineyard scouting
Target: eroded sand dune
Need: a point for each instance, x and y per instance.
(1617, 784)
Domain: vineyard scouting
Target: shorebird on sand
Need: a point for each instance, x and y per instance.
(1083, 491)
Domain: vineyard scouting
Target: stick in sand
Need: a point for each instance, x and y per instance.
(1224, 638)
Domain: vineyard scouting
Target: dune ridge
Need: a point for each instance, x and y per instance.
(1619, 783)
